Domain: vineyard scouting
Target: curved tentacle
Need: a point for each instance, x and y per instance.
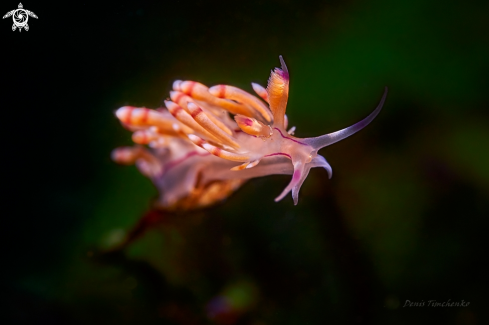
(328, 139)
(300, 173)
(320, 161)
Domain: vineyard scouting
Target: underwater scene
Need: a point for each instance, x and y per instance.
(246, 163)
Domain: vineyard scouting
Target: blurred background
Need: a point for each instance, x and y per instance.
(404, 217)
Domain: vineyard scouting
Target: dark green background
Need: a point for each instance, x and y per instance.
(405, 216)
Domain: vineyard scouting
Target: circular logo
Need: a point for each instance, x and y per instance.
(20, 17)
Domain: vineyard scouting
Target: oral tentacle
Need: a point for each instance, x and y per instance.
(328, 139)
(297, 179)
(297, 187)
(320, 161)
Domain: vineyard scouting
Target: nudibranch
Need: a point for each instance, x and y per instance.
(197, 123)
